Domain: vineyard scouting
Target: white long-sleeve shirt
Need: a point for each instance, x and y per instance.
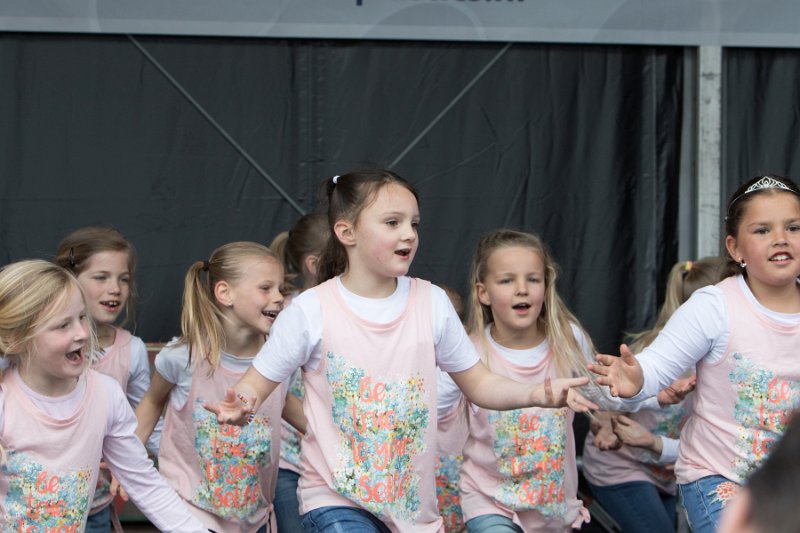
(699, 329)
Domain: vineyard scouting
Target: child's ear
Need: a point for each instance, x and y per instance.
(733, 248)
(310, 264)
(483, 294)
(222, 293)
(343, 229)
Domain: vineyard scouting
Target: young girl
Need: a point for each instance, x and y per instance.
(519, 468)
(57, 418)
(299, 250)
(225, 473)
(743, 335)
(105, 264)
(635, 482)
(369, 339)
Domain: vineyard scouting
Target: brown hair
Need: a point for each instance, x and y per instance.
(309, 236)
(347, 196)
(737, 206)
(75, 250)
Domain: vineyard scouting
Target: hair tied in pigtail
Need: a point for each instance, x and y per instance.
(687, 267)
(71, 258)
(205, 266)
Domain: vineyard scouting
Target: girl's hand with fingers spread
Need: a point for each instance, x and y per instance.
(623, 374)
(233, 409)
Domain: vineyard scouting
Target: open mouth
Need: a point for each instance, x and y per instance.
(75, 357)
(783, 256)
(111, 304)
(403, 253)
(270, 314)
(521, 306)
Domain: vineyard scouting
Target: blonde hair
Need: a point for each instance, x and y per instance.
(201, 315)
(32, 292)
(555, 319)
(75, 250)
(684, 278)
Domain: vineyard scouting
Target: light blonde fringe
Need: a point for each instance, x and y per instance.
(201, 316)
(684, 278)
(555, 319)
(32, 292)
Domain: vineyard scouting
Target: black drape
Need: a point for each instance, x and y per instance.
(577, 143)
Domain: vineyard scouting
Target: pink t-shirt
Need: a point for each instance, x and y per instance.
(743, 400)
(629, 463)
(45, 484)
(226, 473)
(521, 463)
(452, 435)
(116, 363)
(371, 410)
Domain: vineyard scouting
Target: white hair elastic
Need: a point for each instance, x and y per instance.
(336, 179)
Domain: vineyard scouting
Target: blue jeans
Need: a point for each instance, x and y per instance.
(638, 507)
(492, 523)
(342, 519)
(99, 522)
(704, 500)
(287, 513)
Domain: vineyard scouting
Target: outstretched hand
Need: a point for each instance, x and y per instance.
(623, 375)
(232, 409)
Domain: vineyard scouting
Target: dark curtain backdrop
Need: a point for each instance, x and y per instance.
(761, 115)
(577, 143)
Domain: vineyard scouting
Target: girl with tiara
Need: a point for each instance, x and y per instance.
(743, 335)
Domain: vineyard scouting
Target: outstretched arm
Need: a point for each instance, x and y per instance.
(243, 399)
(492, 391)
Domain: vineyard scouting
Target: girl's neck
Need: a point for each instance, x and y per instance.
(44, 385)
(241, 341)
(516, 339)
(781, 299)
(106, 335)
(368, 285)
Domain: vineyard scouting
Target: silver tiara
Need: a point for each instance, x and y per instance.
(767, 182)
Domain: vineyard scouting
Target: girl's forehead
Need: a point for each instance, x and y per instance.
(69, 300)
(772, 204)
